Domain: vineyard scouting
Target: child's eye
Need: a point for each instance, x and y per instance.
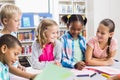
(102, 33)
(97, 31)
(17, 20)
(16, 54)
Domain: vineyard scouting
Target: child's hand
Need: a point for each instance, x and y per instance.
(57, 63)
(112, 78)
(33, 76)
(110, 61)
(21, 67)
(80, 65)
(116, 77)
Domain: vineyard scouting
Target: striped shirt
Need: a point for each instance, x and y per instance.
(68, 49)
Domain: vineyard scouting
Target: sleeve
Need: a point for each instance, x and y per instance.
(58, 51)
(36, 51)
(113, 45)
(91, 42)
(0, 73)
(66, 61)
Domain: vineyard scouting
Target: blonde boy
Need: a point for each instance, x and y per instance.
(10, 17)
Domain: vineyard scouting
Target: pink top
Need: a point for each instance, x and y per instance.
(47, 53)
(98, 52)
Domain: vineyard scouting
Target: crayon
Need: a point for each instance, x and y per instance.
(106, 75)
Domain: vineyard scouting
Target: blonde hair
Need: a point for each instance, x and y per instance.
(8, 10)
(42, 27)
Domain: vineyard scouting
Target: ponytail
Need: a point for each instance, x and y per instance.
(84, 20)
(108, 49)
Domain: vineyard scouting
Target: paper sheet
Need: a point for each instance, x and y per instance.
(53, 72)
(105, 69)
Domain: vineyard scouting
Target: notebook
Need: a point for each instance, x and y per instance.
(53, 72)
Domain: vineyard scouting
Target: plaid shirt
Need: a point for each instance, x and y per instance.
(68, 49)
(4, 72)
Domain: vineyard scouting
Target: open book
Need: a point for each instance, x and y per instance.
(53, 72)
(104, 69)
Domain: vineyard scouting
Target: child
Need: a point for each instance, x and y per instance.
(46, 48)
(117, 77)
(8, 54)
(73, 43)
(102, 48)
(10, 16)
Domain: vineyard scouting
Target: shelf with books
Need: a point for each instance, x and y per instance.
(69, 7)
(26, 35)
(26, 50)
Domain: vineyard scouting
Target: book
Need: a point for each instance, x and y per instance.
(104, 69)
(53, 72)
(83, 73)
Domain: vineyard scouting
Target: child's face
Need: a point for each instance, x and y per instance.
(75, 28)
(103, 33)
(52, 33)
(11, 54)
(13, 23)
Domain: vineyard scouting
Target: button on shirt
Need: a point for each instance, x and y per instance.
(4, 72)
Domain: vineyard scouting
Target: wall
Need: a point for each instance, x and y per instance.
(100, 9)
(33, 5)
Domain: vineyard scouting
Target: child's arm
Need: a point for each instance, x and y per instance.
(21, 67)
(20, 73)
(57, 52)
(94, 61)
(36, 52)
(66, 61)
(117, 77)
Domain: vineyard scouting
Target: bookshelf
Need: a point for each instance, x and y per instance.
(67, 7)
(26, 33)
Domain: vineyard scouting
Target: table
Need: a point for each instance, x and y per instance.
(28, 69)
(96, 77)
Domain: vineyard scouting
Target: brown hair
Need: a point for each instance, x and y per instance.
(111, 25)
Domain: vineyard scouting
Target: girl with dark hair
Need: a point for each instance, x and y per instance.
(74, 45)
(102, 48)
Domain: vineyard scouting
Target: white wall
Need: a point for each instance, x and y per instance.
(55, 10)
(100, 9)
(35, 6)
(115, 15)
